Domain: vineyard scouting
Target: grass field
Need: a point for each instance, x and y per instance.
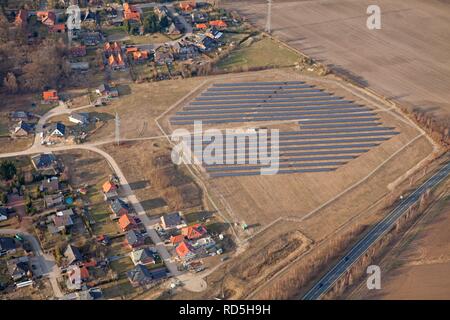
(262, 53)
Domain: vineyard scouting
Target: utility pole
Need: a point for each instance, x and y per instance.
(117, 129)
(269, 17)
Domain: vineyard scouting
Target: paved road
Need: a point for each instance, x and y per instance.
(327, 281)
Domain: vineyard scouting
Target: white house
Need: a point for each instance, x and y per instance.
(79, 118)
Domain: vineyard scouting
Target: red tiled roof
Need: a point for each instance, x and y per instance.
(108, 186)
(176, 239)
(125, 222)
(184, 249)
(218, 23)
(194, 231)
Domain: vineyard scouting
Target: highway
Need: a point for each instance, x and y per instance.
(327, 281)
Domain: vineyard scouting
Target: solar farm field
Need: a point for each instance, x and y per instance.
(330, 140)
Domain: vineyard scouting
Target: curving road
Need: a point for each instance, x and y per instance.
(382, 227)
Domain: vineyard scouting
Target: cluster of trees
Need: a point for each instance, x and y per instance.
(150, 24)
(29, 67)
(7, 170)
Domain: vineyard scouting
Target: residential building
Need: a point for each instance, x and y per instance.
(72, 255)
(23, 129)
(141, 276)
(78, 51)
(143, 256)
(44, 161)
(7, 245)
(119, 207)
(107, 91)
(21, 18)
(50, 95)
(62, 221)
(19, 268)
(53, 200)
(185, 251)
(134, 239)
(50, 185)
(79, 118)
(126, 222)
(194, 232)
(57, 130)
(172, 221)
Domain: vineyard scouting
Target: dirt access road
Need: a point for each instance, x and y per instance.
(407, 60)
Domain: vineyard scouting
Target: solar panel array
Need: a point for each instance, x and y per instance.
(332, 130)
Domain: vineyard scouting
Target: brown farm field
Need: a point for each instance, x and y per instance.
(417, 266)
(402, 61)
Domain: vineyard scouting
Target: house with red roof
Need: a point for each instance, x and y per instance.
(130, 12)
(174, 240)
(21, 18)
(193, 232)
(50, 95)
(185, 251)
(126, 222)
(220, 24)
(46, 17)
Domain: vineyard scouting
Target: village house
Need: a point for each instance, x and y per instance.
(187, 6)
(50, 95)
(106, 90)
(88, 294)
(172, 221)
(134, 239)
(79, 118)
(5, 213)
(126, 223)
(141, 276)
(45, 162)
(56, 131)
(185, 251)
(79, 66)
(109, 191)
(50, 185)
(57, 28)
(78, 51)
(54, 201)
(19, 268)
(130, 12)
(20, 116)
(46, 17)
(177, 239)
(62, 221)
(220, 24)
(72, 255)
(118, 208)
(140, 56)
(143, 256)
(21, 18)
(7, 245)
(22, 129)
(76, 275)
(194, 232)
(163, 55)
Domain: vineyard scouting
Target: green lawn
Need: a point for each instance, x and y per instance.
(263, 53)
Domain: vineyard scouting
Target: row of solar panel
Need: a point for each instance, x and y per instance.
(317, 110)
(256, 119)
(260, 88)
(260, 95)
(257, 172)
(263, 83)
(225, 103)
